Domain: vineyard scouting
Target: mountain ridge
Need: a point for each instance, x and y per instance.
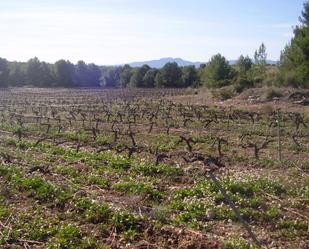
(159, 63)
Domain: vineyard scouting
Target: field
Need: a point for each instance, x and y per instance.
(150, 169)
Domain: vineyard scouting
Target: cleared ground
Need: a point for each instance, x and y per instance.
(130, 169)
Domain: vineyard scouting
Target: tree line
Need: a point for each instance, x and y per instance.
(292, 70)
(216, 73)
(41, 74)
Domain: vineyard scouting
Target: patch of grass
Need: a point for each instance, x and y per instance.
(293, 224)
(4, 210)
(124, 221)
(293, 228)
(150, 169)
(273, 213)
(92, 211)
(98, 180)
(67, 170)
(69, 236)
(103, 140)
(269, 186)
(139, 188)
(39, 228)
(76, 136)
(44, 191)
(39, 188)
(238, 244)
(119, 163)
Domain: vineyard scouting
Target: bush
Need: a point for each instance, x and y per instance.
(224, 93)
(242, 83)
(272, 93)
(217, 73)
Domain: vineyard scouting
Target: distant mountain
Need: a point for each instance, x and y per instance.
(161, 62)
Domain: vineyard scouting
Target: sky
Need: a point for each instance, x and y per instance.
(108, 32)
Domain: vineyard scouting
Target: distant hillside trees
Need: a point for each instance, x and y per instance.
(4, 73)
(190, 77)
(150, 77)
(294, 63)
(35, 73)
(110, 77)
(138, 74)
(65, 74)
(244, 64)
(169, 76)
(293, 70)
(217, 73)
(17, 75)
(87, 75)
(125, 76)
(244, 67)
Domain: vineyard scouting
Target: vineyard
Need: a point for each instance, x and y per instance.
(135, 169)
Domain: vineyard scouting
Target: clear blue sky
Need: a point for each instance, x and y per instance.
(119, 31)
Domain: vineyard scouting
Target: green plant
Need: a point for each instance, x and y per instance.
(151, 169)
(139, 188)
(100, 181)
(93, 212)
(119, 163)
(38, 228)
(124, 221)
(273, 213)
(272, 93)
(238, 244)
(39, 187)
(69, 236)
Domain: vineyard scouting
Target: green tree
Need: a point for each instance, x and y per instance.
(82, 74)
(17, 74)
(125, 76)
(189, 76)
(65, 73)
(244, 77)
(137, 79)
(4, 73)
(94, 75)
(217, 73)
(110, 76)
(260, 56)
(159, 80)
(47, 77)
(150, 77)
(294, 61)
(244, 64)
(34, 72)
(170, 75)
